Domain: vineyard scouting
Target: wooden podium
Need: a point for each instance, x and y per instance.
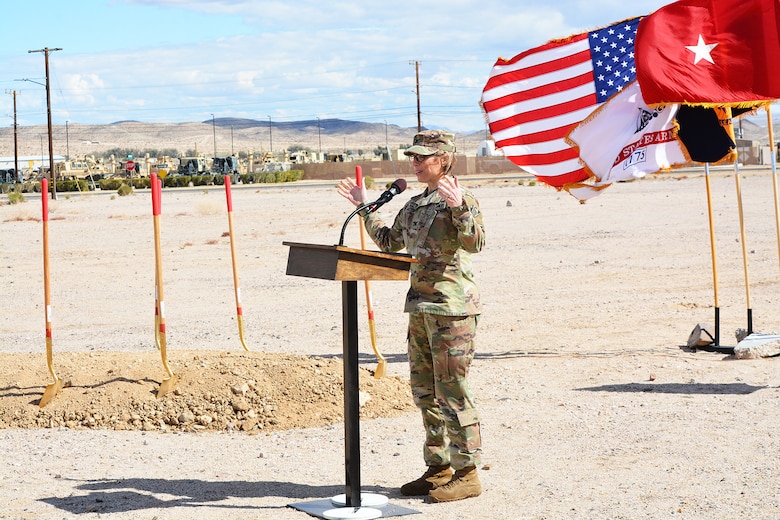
(349, 266)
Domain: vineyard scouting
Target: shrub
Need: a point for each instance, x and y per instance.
(202, 180)
(62, 186)
(275, 177)
(219, 180)
(73, 185)
(15, 197)
(23, 187)
(177, 181)
(141, 182)
(124, 190)
(110, 184)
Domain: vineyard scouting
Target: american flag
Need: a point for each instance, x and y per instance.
(535, 99)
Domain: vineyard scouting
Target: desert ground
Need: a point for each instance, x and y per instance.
(592, 405)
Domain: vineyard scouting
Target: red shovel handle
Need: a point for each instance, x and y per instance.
(153, 185)
(359, 175)
(45, 199)
(228, 195)
(159, 196)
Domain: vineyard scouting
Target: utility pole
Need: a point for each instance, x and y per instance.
(16, 141)
(52, 171)
(270, 135)
(417, 80)
(67, 142)
(214, 130)
(319, 139)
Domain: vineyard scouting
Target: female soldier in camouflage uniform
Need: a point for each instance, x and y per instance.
(440, 227)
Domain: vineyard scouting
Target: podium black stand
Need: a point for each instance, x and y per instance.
(348, 266)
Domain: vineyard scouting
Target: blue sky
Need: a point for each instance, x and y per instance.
(183, 60)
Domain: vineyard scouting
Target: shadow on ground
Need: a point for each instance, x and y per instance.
(679, 388)
(127, 495)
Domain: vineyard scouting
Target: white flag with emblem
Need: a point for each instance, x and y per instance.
(624, 139)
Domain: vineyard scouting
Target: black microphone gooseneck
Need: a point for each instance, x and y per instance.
(398, 186)
(344, 227)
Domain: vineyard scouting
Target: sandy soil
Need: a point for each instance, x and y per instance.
(592, 405)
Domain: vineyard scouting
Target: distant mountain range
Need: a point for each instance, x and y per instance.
(227, 135)
(222, 136)
(330, 126)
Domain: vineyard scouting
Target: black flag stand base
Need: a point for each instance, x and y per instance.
(706, 337)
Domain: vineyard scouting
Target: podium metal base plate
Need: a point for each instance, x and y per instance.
(366, 500)
(352, 513)
(317, 508)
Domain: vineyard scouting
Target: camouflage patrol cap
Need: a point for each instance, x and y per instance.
(428, 142)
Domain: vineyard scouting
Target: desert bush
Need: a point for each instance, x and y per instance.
(203, 180)
(24, 187)
(73, 185)
(271, 177)
(15, 197)
(110, 184)
(219, 180)
(124, 190)
(141, 183)
(177, 181)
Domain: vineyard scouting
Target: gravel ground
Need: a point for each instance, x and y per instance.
(592, 406)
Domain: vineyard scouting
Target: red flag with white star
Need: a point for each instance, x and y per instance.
(710, 52)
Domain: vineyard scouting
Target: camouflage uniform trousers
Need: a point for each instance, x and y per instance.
(441, 349)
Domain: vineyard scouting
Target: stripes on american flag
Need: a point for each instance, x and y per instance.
(535, 99)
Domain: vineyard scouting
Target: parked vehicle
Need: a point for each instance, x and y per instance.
(224, 165)
(8, 175)
(192, 166)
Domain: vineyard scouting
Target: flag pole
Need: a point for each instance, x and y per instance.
(774, 174)
(744, 250)
(738, 182)
(714, 255)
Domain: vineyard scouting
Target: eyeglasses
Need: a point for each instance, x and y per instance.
(418, 158)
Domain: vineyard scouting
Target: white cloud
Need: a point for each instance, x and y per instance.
(185, 59)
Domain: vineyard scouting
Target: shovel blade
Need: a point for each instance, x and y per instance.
(167, 385)
(241, 331)
(381, 369)
(50, 391)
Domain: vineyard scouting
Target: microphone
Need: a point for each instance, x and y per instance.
(398, 186)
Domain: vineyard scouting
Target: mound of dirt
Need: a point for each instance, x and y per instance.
(248, 391)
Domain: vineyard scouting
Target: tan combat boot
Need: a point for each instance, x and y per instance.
(464, 484)
(434, 477)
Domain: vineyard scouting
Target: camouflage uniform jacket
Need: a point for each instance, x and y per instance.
(442, 239)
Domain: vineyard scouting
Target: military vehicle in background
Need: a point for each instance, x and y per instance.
(87, 168)
(192, 166)
(224, 165)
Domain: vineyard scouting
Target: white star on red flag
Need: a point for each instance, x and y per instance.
(702, 51)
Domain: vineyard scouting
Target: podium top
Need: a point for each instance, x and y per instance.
(345, 263)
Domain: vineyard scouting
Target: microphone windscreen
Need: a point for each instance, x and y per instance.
(400, 184)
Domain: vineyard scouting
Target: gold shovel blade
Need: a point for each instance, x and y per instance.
(167, 385)
(381, 369)
(50, 391)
